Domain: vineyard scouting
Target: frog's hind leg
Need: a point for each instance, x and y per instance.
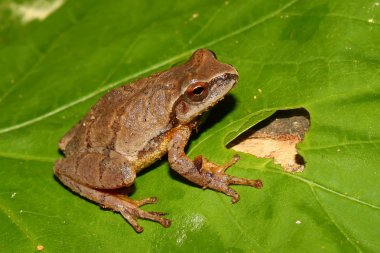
(128, 208)
(95, 176)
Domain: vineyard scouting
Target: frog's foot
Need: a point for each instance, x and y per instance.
(127, 207)
(140, 202)
(219, 181)
(130, 210)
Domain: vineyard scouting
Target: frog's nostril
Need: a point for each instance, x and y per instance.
(233, 76)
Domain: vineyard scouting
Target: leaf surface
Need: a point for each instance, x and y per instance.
(320, 55)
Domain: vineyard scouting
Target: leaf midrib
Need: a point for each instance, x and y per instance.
(147, 70)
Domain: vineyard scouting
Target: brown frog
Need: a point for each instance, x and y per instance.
(134, 125)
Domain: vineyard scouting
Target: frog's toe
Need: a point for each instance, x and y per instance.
(159, 213)
(257, 183)
(131, 215)
(130, 210)
(233, 194)
(203, 164)
(157, 217)
(154, 216)
(132, 220)
(141, 202)
(222, 183)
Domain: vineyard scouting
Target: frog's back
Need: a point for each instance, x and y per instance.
(127, 118)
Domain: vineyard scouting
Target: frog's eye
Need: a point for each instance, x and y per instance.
(197, 91)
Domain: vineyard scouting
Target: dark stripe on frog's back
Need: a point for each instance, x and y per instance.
(100, 133)
(147, 118)
(102, 128)
(95, 129)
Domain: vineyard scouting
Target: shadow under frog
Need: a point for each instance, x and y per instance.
(134, 125)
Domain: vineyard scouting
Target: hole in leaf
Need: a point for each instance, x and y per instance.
(276, 137)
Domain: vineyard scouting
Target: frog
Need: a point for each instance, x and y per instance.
(134, 125)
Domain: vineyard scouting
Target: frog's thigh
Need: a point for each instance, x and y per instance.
(97, 170)
(68, 136)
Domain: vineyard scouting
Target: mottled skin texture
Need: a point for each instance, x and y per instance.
(134, 125)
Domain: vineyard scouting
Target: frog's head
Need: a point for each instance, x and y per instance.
(206, 81)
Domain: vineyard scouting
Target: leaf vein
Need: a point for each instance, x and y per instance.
(17, 222)
(239, 226)
(334, 222)
(212, 18)
(312, 183)
(41, 58)
(351, 143)
(151, 68)
(27, 157)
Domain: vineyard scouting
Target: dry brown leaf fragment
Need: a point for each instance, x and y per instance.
(276, 138)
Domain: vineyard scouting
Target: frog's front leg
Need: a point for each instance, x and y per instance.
(201, 171)
(95, 176)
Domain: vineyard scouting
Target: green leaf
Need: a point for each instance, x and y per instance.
(320, 55)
